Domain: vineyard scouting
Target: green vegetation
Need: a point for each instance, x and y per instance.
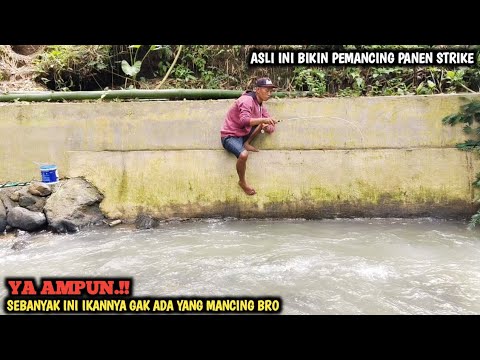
(95, 67)
(469, 115)
(63, 67)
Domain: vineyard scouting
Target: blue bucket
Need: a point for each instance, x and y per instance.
(49, 174)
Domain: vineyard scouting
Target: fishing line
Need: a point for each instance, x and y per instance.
(331, 117)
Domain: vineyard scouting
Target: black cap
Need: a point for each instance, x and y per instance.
(265, 82)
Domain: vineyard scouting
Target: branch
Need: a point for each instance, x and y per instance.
(467, 88)
(170, 69)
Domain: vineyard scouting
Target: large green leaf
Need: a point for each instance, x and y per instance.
(131, 70)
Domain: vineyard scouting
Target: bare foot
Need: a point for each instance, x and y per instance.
(248, 190)
(250, 147)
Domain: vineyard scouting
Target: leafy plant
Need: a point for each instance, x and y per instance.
(226, 67)
(133, 68)
(71, 65)
(469, 115)
(310, 79)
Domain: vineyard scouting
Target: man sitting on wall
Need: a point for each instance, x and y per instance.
(240, 126)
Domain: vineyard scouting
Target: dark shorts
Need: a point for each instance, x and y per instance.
(234, 144)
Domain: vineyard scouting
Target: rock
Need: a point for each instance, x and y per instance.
(14, 196)
(65, 226)
(3, 218)
(5, 198)
(25, 201)
(39, 189)
(29, 201)
(145, 222)
(74, 204)
(38, 205)
(19, 245)
(25, 219)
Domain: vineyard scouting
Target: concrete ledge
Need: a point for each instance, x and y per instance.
(44, 132)
(378, 156)
(311, 184)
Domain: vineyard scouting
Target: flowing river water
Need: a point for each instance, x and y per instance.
(334, 266)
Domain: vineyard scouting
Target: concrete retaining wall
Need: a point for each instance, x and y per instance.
(381, 156)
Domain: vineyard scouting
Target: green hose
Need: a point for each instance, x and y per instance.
(11, 184)
(167, 94)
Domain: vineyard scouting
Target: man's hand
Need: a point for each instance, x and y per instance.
(269, 121)
(268, 125)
